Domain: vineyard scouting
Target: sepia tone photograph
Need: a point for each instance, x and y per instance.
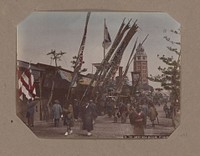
(105, 75)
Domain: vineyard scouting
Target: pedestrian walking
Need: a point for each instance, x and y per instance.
(137, 119)
(145, 111)
(152, 114)
(116, 113)
(95, 110)
(68, 118)
(171, 109)
(109, 107)
(88, 114)
(76, 109)
(102, 106)
(123, 111)
(30, 112)
(166, 110)
(57, 111)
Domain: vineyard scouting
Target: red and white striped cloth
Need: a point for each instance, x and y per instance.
(26, 84)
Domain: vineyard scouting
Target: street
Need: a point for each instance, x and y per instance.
(104, 127)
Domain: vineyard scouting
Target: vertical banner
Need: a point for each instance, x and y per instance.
(79, 60)
(26, 84)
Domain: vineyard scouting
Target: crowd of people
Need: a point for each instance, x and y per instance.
(137, 113)
(72, 112)
(88, 111)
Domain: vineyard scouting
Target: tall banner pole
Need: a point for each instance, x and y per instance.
(104, 49)
(79, 60)
(117, 40)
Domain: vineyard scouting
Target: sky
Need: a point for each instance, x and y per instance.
(63, 31)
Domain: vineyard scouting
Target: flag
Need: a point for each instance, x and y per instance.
(116, 42)
(26, 84)
(116, 59)
(104, 62)
(79, 60)
(107, 39)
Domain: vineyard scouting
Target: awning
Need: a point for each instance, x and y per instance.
(86, 81)
(65, 75)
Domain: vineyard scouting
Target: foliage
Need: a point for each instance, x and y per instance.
(170, 75)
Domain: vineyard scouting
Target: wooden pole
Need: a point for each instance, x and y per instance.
(104, 49)
(41, 104)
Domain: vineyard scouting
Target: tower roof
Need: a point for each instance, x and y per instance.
(140, 50)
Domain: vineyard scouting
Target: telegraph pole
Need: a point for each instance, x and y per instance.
(54, 56)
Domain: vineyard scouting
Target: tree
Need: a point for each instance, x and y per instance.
(170, 75)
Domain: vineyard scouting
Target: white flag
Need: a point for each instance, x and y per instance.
(107, 39)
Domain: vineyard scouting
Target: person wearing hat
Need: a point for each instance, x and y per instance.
(88, 115)
(76, 109)
(95, 109)
(116, 113)
(68, 118)
(57, 111)
(123, 111)
(30, 112)
(137, 119)
(152, 113)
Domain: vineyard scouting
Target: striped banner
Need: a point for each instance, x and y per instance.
(26, 84)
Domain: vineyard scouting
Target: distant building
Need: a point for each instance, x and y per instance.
(140, 64)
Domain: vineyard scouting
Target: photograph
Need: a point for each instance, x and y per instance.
(99, 75)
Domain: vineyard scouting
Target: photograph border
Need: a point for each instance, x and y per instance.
(17, 139)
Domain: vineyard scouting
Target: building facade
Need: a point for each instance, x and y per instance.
(141, 64)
